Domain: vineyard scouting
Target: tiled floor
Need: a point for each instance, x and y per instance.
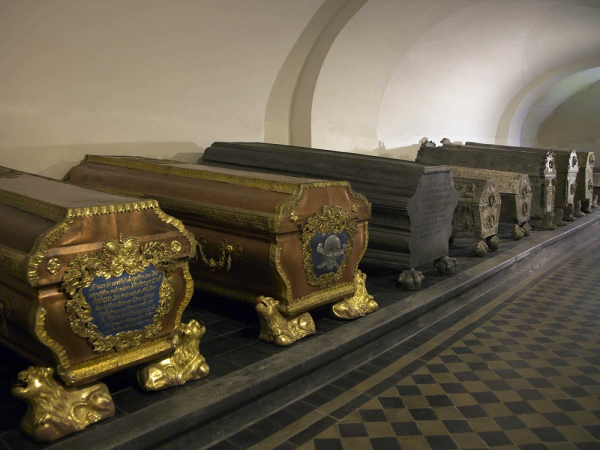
(520, 368)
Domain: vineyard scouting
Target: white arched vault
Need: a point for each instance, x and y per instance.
(289, 108)
(405, 69)
(541, 96)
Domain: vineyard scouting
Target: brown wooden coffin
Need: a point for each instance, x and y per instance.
(90, 282)
(296, 240)
(541, 169)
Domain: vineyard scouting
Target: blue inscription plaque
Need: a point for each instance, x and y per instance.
(124, 303)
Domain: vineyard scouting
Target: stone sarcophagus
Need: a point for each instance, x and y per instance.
(567, 168)
(476, 215)
(514, 190)
(285, 243)
(90, 283)
(413, 203)
(584, 192)
(540, 168)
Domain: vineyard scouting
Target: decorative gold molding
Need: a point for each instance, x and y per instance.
(164, 167)
(11, 261)
(58, 351)
(124, 255)
(227, 253)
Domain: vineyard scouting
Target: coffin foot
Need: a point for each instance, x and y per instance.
(517, 233)
(411, 279)
(445, 265)
(280, 330)
(493, 242)
(569, 213)
(577, 212)
(547, 223)
(586, 206)
(185, 364)
(480, 249)
(526, 229)
(558, 217)
(53, 410)
(360, 304)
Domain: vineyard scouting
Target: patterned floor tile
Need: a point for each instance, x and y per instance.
(523, 374)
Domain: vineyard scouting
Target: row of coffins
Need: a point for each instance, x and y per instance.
(561, 180)
(103, 274)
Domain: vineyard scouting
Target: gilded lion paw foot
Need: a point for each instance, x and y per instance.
(279, 330)
(360, 304)
(54, 410)
(185, 364)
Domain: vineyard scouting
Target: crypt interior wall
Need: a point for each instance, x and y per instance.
(166, 79)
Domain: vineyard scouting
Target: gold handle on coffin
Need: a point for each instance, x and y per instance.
(227, 252)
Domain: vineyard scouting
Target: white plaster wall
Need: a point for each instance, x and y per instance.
(449, 68)
(556, 95)
(184, 73)
(575, 123)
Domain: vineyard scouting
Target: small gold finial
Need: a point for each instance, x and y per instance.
(53, 266)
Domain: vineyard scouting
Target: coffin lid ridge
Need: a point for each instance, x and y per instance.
(276, 183)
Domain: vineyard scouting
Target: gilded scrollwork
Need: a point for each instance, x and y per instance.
(329, 223)
(119, 257)
(357, 305)
(55, 411)
(184, 365)
(227, 253)
(279, 330)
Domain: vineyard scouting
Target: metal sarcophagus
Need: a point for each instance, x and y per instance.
(294, 244)
(90, 283)
(413, 203)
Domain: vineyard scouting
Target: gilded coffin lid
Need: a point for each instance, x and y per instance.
(536, 164)
(53, 206)
(270, 219)
(475, 191)
(385, 181)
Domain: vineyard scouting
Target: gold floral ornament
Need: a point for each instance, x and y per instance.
(129, 291)
(330, 223)
(227, 253)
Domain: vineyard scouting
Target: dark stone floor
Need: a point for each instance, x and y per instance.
(231, 344)
(517, 369)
